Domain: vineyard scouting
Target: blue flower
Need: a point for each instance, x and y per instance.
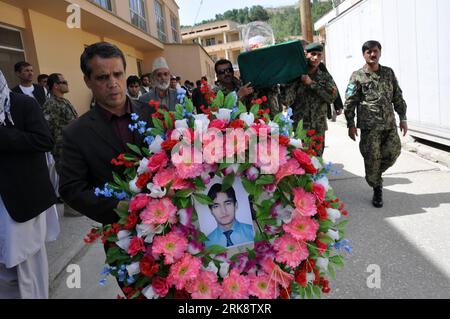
(149, 140)
(121, 274)
(141, 130)
(103, 282)
(98, 192)
(106, 271)
(134, 117)
(131, 280)
(142, 124)
(121, 196)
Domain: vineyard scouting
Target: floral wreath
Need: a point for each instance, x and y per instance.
(156, 249)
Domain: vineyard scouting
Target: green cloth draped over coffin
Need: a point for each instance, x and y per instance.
(277, 64)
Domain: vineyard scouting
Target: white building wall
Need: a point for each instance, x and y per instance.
(415, 35)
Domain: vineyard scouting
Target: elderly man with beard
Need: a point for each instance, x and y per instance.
(162, 93)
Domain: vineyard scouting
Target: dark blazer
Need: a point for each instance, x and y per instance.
(89, 145)
(25, 185)
(39, 93)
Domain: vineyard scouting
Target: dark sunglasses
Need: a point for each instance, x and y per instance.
(222, 72)
(63, 82)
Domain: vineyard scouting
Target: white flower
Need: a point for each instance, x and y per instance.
(201, 122)
(324, 182)
(333, 214)
(155, 147)
(274, 128)
(322, 263)
(143, 166)
(124, 243)
(134, 269)
(310, 277)
(148, 231)
(316, 163)
(156, 191)
(123, 234)
(184, 217)
(284, 213)
(212, 268)
(181, 124)
(149, 292)
(133, 186)
(223, 114)
(248, 118)
(296, 143)
(333, 234)
(224, 268)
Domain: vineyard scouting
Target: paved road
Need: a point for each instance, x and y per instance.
(409, 239)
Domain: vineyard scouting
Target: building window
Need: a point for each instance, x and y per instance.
(174, 26)
(160, 22)
(104, 4)
(138, 17)
(11, 52)
(210, 41)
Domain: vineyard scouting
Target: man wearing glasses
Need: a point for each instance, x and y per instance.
(228, 83)
(58, 112)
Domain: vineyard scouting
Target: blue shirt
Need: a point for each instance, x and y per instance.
(242, 233)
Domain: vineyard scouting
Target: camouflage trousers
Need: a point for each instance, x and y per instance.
(380, 150)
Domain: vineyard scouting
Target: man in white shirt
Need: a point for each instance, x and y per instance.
(25, 73)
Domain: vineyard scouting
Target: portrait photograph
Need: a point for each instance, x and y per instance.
(228, 221)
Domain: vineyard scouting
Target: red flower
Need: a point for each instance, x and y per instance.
(169, 145)
(160, 286)
(137, 245)
(148, 266)
(131, 221)
(264, 99)
(218, 124)
(143, 180)
(286, 293)
(121, 161)
(321, 247)
(300, 278)
(284, 140)
(311, 132)
(322, 213)
(237, 124)
(157, 162)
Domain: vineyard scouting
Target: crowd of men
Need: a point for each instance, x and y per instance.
(48, 151)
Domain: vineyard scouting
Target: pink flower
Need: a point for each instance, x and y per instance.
(164, 177)
(158, 212)
(276, 274)
(235, 286)
(252, 174)
(204, 286)
(319, 191)
(137, 245)
(185, 270)
(292, 167)
(262, 287)
(270, 188)
(305, 161)
(302, 228)
(218, 124)
(158, 162)
(290, 251)
(189, 166)
(172, 246)
(270, 160)
(305, 203)
(138, 202)
(160, 286)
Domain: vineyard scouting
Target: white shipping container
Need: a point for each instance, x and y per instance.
(415, 35)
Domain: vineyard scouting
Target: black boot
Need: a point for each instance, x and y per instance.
(377, 200)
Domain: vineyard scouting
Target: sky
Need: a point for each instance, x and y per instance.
(209, 8)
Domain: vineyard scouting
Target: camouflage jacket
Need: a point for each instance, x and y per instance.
(372, 95)
(311, 103)
(58, 112)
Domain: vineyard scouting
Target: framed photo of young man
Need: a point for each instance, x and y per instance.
(228, 221)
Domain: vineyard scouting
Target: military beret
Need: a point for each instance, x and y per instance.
(314, 47)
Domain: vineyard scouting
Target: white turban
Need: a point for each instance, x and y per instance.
(160, 63)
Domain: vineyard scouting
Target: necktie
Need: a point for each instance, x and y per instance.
(228, 236)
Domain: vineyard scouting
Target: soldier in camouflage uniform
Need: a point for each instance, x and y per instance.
(58, 112)
(374, 93)
(311, 95)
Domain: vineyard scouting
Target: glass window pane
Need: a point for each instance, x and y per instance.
(104, 3)
(8, 59)
(10, 38)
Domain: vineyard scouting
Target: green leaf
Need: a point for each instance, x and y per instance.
(309, 292)
(317, 291)
(185, 193)
(224, 165)
(218, 101)
(230, 100)
(227, 182)
(254, 110)
(331, 271)
(158, 124)
(337, 260)
(168, 120)
(265, 180)
(327, 240)
(215, 250)
(325, 226)
(189, 106)
(135, 149)
(249, 186)
(300, 133)
(203, 199)
(341, 225)
(202, 237)
(146, 151)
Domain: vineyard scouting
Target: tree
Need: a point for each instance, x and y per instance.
(258, 13)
